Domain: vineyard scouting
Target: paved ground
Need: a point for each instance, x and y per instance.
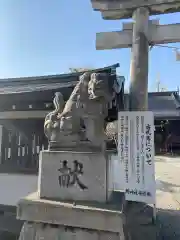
(168, 196)
(168, 200)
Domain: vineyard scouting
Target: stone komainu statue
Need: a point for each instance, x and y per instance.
(81, 119)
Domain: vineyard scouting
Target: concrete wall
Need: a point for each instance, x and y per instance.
(16, 186)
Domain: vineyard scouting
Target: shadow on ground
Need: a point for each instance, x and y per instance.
(8, 236)
(169, 222)
(166, 227)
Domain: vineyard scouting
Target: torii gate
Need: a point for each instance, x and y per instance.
(138, 35)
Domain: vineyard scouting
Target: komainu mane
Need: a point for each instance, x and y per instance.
(81, 119)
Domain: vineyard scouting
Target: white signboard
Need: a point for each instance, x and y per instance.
(136, 155)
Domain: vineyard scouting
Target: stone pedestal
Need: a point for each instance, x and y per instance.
(56, 233)
(62, 220)
(74, 176)
(73, 200)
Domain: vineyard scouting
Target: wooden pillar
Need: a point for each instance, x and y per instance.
(138, 100)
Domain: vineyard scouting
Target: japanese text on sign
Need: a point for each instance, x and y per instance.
(122, 139)
(148, 144)
(126, 148)
(142, 147)
(138, 153)
(136, 192)
(136, 144)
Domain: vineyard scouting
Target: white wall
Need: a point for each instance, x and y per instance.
(15, 186)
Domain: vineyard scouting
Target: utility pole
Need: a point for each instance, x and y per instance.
(158, 82)
(177, 55)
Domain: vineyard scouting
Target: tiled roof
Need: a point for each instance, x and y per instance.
(26, 87)
(161, 101)
(49, 79)
(42, 83)
(158, 102)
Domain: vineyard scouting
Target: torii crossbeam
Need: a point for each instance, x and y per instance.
(157, 34)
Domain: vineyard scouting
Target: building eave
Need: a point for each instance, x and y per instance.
(46, 83)
(59, 77)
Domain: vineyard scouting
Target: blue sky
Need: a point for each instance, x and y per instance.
(40, 37)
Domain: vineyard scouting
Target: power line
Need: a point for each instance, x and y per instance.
(166, 46)
(175, 49)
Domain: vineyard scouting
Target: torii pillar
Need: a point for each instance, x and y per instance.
(139, 36)
(138, 100)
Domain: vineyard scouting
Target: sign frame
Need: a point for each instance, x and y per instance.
(136, 156)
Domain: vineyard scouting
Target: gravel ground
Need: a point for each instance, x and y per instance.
(168, 197)
(169, 222)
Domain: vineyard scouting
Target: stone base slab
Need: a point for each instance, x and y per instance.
(32, 231)
(74, 176)
(102, 217)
